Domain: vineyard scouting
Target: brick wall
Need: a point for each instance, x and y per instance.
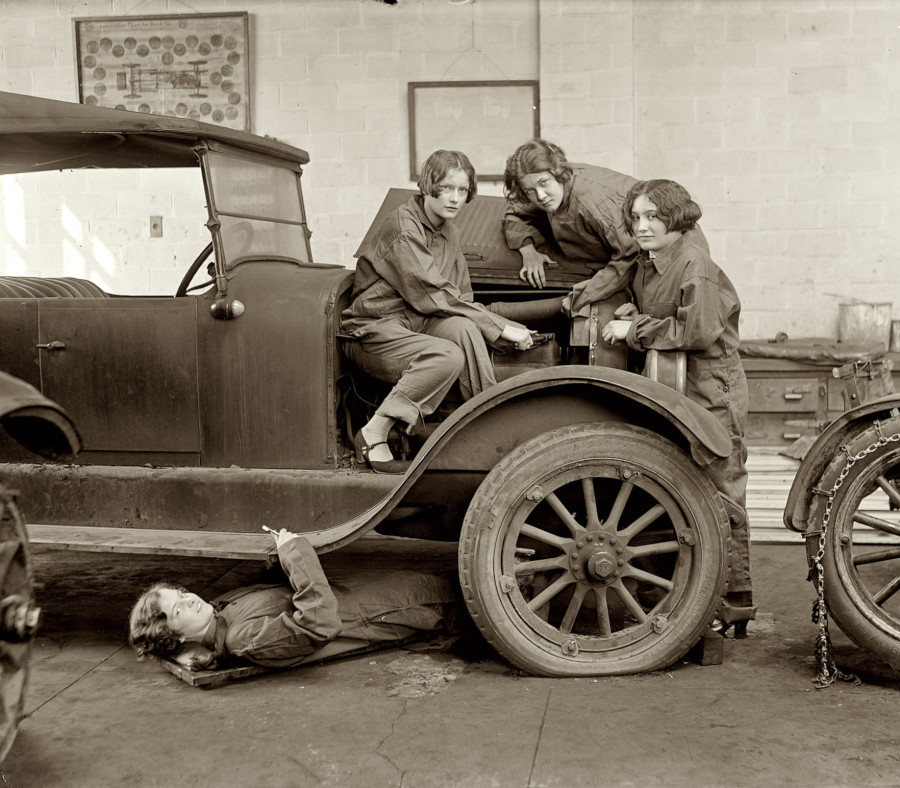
(797, 169)
(778, 115)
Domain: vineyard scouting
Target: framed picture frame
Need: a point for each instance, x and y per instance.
(184, 65)
(487, 120)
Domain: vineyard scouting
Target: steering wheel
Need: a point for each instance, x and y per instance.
(192, 272)
(238, 239)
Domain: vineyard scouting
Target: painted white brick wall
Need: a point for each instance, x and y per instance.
(778, 115)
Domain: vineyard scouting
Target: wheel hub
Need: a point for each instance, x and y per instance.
(601, 565)
(597, 557)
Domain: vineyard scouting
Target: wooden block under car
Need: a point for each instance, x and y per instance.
(710, 650)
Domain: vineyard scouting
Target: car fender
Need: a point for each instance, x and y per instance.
(461, 443)
(823, 451)
(37, 423)
(617, 390)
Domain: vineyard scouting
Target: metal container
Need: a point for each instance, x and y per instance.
(895, 337)
(862, 322)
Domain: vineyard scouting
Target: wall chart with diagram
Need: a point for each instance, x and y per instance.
(187, 65)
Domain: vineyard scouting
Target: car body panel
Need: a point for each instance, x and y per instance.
(267, 380)
(335, 507)
(126, 368)
(824, 450)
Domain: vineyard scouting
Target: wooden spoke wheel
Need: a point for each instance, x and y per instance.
(861, 561)
(19, 617)
(594, 550)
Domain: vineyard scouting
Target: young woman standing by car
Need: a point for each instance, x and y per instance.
(412, 320)
(684, 301)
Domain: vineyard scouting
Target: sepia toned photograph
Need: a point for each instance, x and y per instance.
(449, 393)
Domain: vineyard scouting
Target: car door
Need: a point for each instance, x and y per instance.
(125, 368)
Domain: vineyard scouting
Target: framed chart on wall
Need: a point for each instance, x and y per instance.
(185, 65)
(486, 120)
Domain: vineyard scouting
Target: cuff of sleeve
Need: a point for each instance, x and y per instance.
(491, 325)
(492, 333)
(631, 338)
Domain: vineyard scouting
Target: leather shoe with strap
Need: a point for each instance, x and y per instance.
(379, 466)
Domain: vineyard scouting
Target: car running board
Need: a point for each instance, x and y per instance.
(148, 541)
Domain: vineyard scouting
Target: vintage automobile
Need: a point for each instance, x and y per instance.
(852, 538)
(591, 541)
(46, 430)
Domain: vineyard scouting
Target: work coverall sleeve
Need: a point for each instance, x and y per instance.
(616, 276)
(313, 622)
(602, 220)
(520, 228)
(697, 323)
(409, 267)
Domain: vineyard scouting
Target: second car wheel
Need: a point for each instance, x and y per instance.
(861, 556)
(596, 549)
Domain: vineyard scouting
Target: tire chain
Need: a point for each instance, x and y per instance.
(827, 671)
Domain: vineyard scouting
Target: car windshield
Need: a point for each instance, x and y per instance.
(135, 231)
(259, 208)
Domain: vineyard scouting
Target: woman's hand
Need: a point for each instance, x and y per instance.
(615, 330)
(573, 296)
(532, 270)
(283, 536)
(519, 336)
(626, 312)
(194, 656)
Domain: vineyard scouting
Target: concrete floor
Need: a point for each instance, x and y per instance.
(460, 717)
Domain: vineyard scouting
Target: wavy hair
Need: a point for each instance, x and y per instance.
(148, 627)
(536, 155)
(436, 167)
(674, 205)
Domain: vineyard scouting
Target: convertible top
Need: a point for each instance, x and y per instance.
(43, 134)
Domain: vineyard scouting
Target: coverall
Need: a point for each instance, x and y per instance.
(587, 226)
(277, 626)
(412, 320)
(686, 302)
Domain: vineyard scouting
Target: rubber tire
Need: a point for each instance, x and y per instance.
(16, 580)
(850, 603)
(551, 461)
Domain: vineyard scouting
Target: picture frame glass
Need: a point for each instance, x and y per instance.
(486, 120)
(186, 65)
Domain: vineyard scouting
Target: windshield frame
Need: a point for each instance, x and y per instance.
(225, 258)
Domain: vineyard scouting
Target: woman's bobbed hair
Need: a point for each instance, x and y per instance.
(436, 167)
(148, 628)
(674, 205)
(536, 155)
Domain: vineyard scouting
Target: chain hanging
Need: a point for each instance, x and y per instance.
(827, 670)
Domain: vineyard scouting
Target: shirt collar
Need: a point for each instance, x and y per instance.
(214, 637)
(664, 258)
(567, 192)
(418, 204)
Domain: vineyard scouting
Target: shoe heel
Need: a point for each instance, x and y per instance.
(359, 448)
